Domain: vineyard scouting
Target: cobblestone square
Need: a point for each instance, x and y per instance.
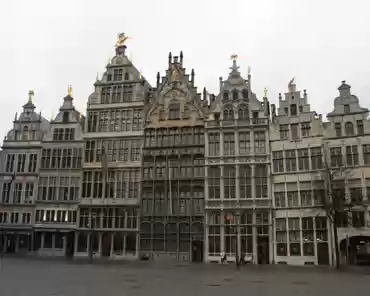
(20, 277)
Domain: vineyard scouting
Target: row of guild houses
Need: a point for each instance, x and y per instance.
(165, 172)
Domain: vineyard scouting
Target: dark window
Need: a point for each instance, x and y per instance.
(338, 129)
(235, 95)
(293, 109)
(360, 127)
(126, 76)
(346, 109)
(349, 129)
(245, 93)
(65, 117)
(226, 95)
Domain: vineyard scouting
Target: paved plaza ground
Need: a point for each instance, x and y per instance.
(25, 277)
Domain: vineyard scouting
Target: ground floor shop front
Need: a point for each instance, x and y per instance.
(172, 238)
(238, 234)
(106, 244)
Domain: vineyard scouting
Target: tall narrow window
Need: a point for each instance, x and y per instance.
(295, 133)
(360, 127)
(306, 129)
(338, 129)
(284, 132)
(349, 129)
(336, 157)
(259, 142)
(244, 143)
(293, 110)
(65, 117)
(229, 144)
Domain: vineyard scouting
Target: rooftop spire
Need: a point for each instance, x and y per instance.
(234, 68)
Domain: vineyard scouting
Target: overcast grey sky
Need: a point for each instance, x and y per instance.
(48, 44)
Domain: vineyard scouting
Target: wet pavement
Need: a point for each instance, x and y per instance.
(25, 277)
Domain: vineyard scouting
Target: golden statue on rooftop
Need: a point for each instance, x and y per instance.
(31, 93)
(234, 57)
(121, 40)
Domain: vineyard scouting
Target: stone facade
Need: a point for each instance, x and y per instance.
(108, 224)
(172, 205)
(167, 172)
(21, 154)
(237, 179)
(59, 183)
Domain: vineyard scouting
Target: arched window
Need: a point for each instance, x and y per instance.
(228, 114)
(349, 129)
(243, 112)
(25, 133)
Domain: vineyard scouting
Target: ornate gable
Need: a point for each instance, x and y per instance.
(175, 100)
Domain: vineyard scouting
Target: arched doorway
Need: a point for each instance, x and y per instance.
(356, 250)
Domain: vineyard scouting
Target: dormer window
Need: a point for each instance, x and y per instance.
(349, 129)
(65, 117)
(127, 76)
(174, 111)
(235, 95)
(109, 77)
(293, 110)
(245, 94)
(346, 109)
(226, 95)
(25, 133)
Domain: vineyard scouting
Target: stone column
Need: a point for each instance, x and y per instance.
(5, 243)
(222, 232)
(65, 244)
(124, 245)
(16, 243)
(301, 235)
(272, 239)
(100, 238)
(237, 182)
(88, 244)
(236, 143)
(111, 244)
(206, 233)
(137, 244)
(254, 235)
(253, 181)
(42, 240)
(75, 246)
(315, 240)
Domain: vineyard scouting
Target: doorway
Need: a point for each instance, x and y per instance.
(106, 244)
(197, 251)
(263, 250)
(70, 237)
(323, 254)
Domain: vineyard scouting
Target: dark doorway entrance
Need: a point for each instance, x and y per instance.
(356, 249)
(197, 251)
(10, 243)
(106, 242)
(263, 253)
(70, 237)
(323, 254)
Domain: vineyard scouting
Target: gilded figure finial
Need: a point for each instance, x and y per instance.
(291, 82)
(70, 90)
(234, 57)
(265, 90)
(249, 70)
(31, 93)
(121, 40)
